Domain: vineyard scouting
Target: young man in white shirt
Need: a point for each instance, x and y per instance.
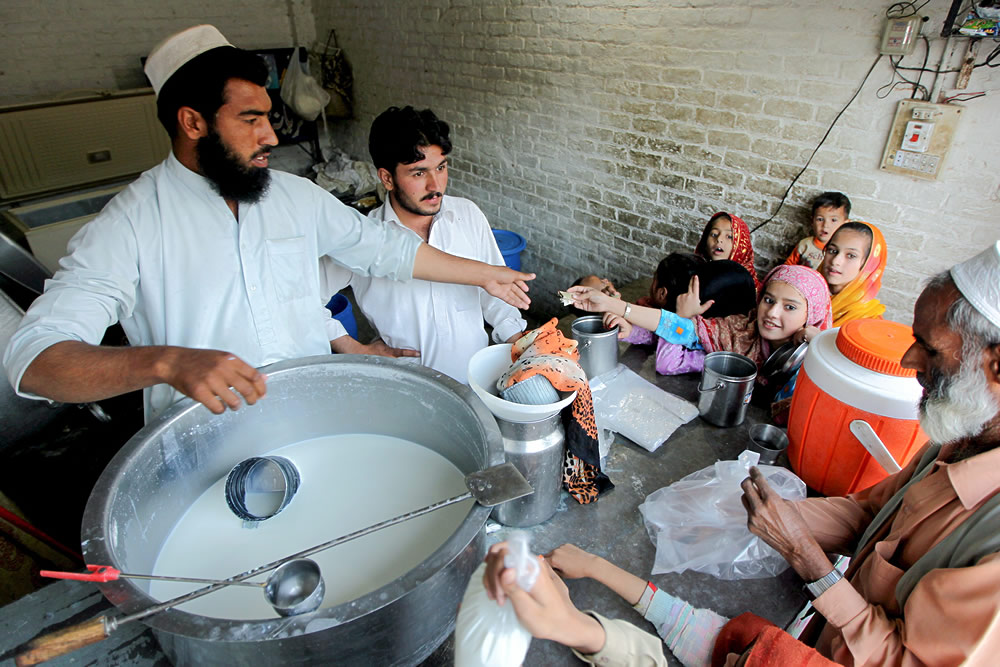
(443, 323)
(209, 260)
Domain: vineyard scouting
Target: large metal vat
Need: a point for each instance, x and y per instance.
(169, 463)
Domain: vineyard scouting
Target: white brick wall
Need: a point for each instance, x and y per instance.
(606, 131)
(52, 47)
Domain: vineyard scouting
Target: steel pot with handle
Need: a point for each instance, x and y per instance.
(158, 474)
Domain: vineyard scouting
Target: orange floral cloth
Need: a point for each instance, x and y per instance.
(545, 351)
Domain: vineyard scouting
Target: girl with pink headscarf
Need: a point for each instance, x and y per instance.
(793, 304)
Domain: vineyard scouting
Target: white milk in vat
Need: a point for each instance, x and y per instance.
(348, 482)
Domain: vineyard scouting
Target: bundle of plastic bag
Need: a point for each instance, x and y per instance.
(631, 405)
(699, 522)
(486, 634)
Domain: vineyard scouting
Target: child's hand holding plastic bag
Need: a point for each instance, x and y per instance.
(487, 634)
(699, 523)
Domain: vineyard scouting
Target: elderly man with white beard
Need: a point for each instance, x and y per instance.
(923, 586)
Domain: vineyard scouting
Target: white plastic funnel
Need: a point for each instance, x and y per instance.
(485, 368)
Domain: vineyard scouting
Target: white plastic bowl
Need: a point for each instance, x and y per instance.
(485, 368)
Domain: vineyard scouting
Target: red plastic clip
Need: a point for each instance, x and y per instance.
(98, 573)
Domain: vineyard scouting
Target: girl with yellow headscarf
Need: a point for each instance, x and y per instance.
(853, 264)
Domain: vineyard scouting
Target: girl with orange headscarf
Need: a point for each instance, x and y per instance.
(853, 265)
(726, 236)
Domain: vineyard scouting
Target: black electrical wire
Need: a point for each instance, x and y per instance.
(988, 62)
(882, 93)
(902, 8)
(927, 53)
(819, 145)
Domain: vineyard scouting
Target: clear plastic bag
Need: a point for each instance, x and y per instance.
(486, 634)
(301, 92)
(699, 523)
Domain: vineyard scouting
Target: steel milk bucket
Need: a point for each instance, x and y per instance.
(725, 388)
(598, 345)
(536, 450)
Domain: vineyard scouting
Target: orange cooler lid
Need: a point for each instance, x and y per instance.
(878, 345)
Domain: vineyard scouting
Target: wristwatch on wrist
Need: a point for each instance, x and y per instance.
(628, 309)
(816, 588)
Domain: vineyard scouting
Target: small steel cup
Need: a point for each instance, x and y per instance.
(768, 441)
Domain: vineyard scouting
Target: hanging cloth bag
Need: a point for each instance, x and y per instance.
(338, 80)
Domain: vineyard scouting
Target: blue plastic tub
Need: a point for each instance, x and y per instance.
(511, 244)
(340, 306)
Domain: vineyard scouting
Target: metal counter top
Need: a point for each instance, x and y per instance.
(612, 528)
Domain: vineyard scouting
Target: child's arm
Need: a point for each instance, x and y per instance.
(795, 257)
(626, 332)
(674, 359)
(594, 300)
(688, 632)
(572, 562)
(805, 334)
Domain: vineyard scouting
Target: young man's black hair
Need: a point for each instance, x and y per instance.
(200, 83)
(397, 135)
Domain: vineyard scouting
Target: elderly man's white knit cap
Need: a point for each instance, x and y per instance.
(978, 279)
(172, 53)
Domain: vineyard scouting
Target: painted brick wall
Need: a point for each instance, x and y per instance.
(607, 131)
(53, 47)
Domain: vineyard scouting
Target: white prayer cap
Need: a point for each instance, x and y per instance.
(172, 53)
(978, 279)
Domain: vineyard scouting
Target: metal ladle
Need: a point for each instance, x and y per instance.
(295, 587)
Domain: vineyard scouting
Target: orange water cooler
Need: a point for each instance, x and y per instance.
(853, 373)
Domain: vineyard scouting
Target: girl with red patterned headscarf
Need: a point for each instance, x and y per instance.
(726, 236)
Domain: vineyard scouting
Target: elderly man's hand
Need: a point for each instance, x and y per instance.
(546, 611)
(778, 522)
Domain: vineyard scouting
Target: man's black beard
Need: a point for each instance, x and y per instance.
(227, 174)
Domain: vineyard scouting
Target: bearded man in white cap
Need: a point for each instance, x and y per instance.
(923, 586)
(209, 260)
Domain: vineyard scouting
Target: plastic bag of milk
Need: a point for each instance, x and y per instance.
(486, 634)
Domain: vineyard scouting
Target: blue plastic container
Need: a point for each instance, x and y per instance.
(340, 306)
(511, 244)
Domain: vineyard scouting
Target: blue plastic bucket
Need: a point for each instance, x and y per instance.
(340, 306)
(511, 244)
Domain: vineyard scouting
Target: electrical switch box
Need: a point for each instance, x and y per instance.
(920, 137)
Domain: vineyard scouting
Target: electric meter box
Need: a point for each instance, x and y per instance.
(899, 37)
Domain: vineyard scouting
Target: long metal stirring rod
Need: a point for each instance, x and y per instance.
(113, 623)
(191, 580)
